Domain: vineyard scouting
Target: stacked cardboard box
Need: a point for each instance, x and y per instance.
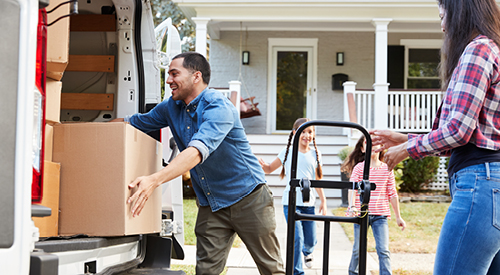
(57, 60)
(98, 161)
(57, 40)
(48, 226)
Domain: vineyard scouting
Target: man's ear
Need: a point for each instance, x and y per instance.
(197, 77)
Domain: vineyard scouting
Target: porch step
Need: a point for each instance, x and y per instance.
(268, 147)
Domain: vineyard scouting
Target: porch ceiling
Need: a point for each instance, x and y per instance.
(318, 15)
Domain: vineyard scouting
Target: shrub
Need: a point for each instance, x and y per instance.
(344, 152)
(417, 174)
(398, 174)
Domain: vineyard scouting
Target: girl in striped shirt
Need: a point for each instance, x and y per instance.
(379, 211)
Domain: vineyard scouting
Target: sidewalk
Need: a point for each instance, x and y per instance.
(241, 263)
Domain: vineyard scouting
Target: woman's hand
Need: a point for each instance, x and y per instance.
(386, 139)
(395, 155)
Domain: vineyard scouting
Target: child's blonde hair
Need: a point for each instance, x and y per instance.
(356, 156)
(296, 125)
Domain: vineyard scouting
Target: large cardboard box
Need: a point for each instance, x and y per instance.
(48, 142)
(98, 162)
(48, 226)
(53, 101)
(57, 40)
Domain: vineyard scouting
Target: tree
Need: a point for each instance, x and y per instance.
(164, 9)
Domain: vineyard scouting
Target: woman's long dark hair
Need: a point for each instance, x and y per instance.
(465, 19)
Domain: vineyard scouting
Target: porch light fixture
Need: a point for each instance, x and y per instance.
(340, 59)
(245, 58)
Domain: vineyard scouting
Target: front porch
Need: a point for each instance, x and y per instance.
(408, 111)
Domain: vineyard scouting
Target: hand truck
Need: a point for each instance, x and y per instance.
(364, 187)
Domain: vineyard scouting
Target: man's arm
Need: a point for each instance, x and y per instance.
(184, 162)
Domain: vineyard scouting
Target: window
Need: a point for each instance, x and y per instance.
(423, 69)
(422, 57)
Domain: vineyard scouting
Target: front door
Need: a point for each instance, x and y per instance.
(292, 89)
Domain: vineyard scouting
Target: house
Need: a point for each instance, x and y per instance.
(299, 55)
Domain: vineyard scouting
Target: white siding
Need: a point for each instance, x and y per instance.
(359, 64)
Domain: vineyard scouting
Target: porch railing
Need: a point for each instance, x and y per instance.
(409, 111)
(233, 93)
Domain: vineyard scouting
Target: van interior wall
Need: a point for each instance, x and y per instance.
(90, 42)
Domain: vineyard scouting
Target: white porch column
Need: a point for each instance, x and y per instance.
(381, 86)
(201, 34)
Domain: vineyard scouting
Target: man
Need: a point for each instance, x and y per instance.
(226, 176)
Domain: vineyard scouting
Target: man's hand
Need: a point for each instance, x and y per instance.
(386, 139)
(145, 187)
(395, 155)
(184, 162)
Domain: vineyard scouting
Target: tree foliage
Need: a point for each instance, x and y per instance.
(164, 9)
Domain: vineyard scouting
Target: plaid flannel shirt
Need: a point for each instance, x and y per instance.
(470, 110)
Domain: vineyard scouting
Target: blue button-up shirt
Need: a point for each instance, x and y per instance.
(228, 171)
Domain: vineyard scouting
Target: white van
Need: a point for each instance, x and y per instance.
(135, 85)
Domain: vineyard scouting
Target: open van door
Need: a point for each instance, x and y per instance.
(133, 44)
(168, 45)
(19, 21)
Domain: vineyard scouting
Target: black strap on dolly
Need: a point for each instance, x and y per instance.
(364, 187)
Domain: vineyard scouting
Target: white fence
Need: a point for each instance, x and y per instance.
(408, 111)
(413, 111)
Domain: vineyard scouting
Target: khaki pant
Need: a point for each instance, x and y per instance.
(253, 219)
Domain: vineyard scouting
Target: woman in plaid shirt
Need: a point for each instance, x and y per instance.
(467, 128)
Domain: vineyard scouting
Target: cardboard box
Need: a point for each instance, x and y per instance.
(98, 162)
(48, 226)
(48, 142)
(57, 40)
(53, 101)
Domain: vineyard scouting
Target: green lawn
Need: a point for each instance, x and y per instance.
(423, 224)
(190, 212)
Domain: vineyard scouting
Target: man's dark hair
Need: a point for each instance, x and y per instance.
(194, 62)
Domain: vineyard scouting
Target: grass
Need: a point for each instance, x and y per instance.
(423, 225)
(190, 212)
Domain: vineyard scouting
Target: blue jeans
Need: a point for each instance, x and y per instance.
(380, 230)
(305, 237)
(469, 243)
